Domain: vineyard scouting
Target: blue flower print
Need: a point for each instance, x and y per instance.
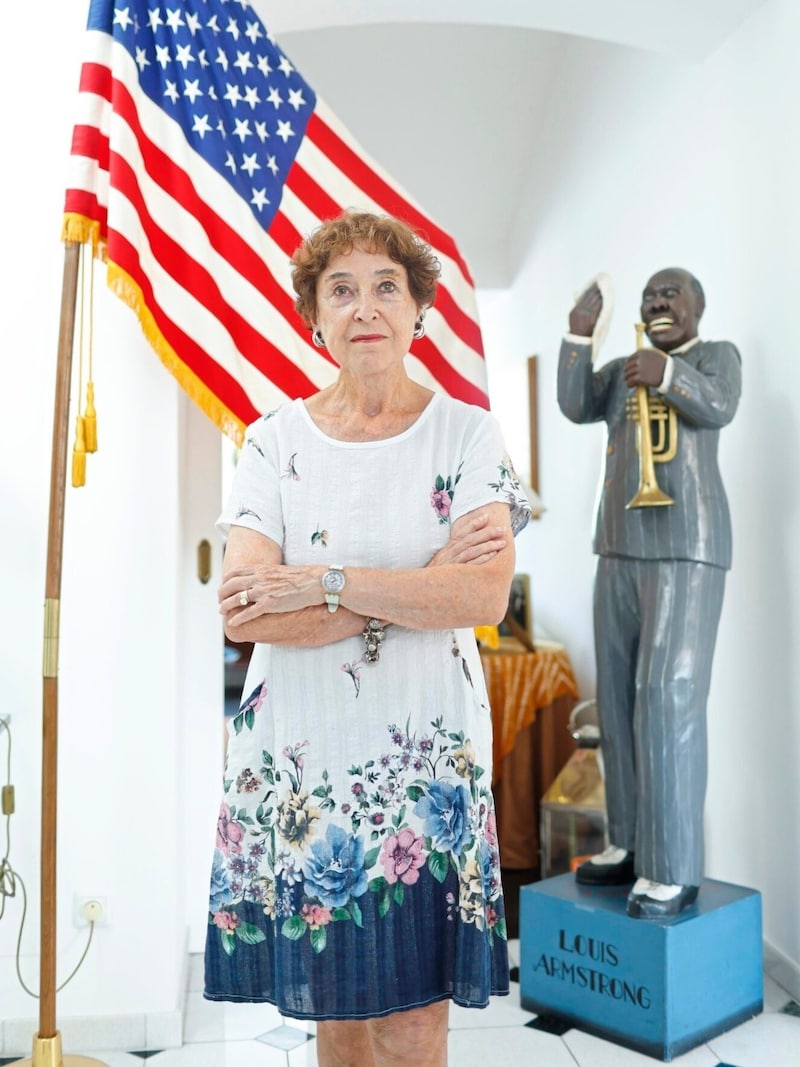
(445, 811)
(334, 871)
(490, 871)
(220, 893)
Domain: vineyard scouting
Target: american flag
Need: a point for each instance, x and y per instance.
(200, 159)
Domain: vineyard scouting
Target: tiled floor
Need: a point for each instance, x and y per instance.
(248, 1035)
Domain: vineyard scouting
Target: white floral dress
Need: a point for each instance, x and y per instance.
(356, 870)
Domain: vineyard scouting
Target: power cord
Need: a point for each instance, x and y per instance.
(7, 795)
(9, 877)
(19, 947)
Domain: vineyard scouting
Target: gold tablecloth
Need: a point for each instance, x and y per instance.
(519, 685)
(531, 695)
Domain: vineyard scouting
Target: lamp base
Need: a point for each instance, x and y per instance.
(47, 1053)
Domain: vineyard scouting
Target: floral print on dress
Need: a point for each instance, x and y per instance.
(242, 511)
(290, 470)
(456, 653)
(251, 442)
(510, 486)
(402, 856)
(335, 869)
(319, 537)
(442, 494)
(246, 716)
(419, 810)
(354, 671)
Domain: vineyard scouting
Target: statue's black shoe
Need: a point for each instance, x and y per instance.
(641, 906)
(606, 873)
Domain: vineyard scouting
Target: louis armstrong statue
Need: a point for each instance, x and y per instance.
(659, 583)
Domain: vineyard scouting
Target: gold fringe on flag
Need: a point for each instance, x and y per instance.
(121, 283)
(83, 230)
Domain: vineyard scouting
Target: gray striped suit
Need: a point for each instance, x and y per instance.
(658, 595)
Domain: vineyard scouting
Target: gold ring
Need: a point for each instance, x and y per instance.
(244, 599)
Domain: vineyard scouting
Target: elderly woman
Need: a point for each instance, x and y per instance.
(370, 528)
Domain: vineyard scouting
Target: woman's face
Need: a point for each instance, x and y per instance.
(365, 311)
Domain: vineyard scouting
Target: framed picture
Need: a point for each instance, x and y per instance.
(532, 489)
(518, 622)
(533, 416)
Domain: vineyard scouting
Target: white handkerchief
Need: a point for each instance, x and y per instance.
(606, 287)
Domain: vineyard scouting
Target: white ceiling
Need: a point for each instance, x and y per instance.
(451, 97)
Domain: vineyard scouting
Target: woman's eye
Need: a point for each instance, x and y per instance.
(388, 287)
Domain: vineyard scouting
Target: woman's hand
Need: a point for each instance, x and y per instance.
(270, 588)
(472, 540)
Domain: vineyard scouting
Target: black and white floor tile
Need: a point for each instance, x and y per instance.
(249, 1035)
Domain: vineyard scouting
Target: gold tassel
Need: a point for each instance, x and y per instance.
(89, 413)
(90, 419)
(79, 454)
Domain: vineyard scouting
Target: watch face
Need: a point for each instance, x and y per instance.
(333, 581)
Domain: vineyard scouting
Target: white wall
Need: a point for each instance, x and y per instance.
(657, 163)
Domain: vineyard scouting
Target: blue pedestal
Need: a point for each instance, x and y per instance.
(659, 987)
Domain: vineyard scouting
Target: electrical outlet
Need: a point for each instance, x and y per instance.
(88, 909)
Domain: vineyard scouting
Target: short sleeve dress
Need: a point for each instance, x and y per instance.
(356, 869)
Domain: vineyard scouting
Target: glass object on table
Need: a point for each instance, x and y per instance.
(573, 810)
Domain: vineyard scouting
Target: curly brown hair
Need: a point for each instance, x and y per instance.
(374, 233)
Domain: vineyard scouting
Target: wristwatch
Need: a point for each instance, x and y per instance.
(333, 581)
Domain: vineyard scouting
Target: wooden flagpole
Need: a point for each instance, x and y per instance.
(47, 1042)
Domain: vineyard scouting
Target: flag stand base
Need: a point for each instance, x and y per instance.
(47, 1053)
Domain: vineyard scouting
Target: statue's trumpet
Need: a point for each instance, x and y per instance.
(649, 494)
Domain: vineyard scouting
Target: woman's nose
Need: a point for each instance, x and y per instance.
(366, 306)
